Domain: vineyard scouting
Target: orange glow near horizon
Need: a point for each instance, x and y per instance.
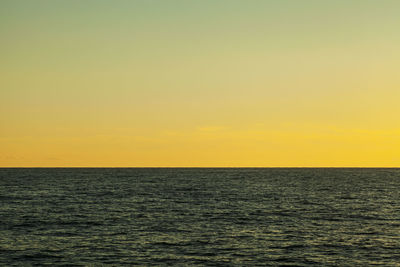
(192, 84)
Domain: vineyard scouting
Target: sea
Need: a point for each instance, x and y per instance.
(199, 216)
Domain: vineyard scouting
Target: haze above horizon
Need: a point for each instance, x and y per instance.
(199, 83)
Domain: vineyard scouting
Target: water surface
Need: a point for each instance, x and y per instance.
(226, 217)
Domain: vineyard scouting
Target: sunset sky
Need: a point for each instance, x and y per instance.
(200, 83)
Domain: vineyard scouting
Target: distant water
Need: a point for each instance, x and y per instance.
(225, 217)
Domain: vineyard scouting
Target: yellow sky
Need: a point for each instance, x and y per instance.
(199, 83)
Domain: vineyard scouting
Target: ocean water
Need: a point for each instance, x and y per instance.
(207, 217)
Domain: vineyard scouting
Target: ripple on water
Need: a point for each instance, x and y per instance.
(296, 217)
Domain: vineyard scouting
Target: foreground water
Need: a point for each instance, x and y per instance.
(249, 217)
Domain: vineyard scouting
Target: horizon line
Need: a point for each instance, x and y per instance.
(198, 167)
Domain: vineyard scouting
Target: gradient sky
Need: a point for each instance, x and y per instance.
(200, 83)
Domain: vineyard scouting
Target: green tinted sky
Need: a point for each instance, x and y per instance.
(205, 83)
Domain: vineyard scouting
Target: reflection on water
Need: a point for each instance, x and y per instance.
(200, 216)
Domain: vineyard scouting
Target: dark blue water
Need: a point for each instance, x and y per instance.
(225, 217)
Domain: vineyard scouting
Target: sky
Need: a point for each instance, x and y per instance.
(210, 83)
